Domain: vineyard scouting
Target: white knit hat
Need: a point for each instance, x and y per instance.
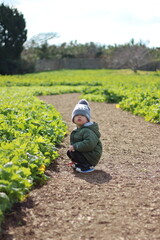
(82, 108)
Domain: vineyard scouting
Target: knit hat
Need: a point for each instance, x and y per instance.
(82, 108)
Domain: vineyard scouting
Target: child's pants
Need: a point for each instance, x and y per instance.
(79, 159)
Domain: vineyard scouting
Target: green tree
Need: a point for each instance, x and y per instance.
(12, 37)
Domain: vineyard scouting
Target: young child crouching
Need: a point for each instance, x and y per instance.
(86, 148)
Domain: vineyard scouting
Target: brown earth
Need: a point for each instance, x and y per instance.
(118, 201)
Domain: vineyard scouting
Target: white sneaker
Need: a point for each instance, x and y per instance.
(91, 169)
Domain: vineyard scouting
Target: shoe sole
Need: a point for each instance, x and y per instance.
(85, 171)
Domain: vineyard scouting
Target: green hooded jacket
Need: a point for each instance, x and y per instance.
(86, 140)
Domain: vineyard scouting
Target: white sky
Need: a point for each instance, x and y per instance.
(106, 22)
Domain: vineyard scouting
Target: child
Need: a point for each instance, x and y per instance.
(86, 148)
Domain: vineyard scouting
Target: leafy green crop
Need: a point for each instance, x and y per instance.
(30, 129)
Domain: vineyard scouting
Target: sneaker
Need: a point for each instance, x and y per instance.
(75, 165)
(91, 169)
(72, 164)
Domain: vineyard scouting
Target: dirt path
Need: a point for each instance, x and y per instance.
(119, 201)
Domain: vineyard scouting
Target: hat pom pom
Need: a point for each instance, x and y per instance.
(83, 101)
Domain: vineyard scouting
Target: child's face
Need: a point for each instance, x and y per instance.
(80, 120)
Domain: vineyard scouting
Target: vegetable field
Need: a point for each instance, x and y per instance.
(31, 130)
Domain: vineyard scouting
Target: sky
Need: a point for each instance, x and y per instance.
(104, 22)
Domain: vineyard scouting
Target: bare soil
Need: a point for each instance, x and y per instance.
(118, 201)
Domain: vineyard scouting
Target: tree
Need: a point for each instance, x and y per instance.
(12, 37)
(131, 55)
(38, 48)
(40, 39)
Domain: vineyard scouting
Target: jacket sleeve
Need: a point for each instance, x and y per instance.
(88, 143)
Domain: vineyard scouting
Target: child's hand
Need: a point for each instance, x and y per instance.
(71, 148)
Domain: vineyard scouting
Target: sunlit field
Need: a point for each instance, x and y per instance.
(31, 130)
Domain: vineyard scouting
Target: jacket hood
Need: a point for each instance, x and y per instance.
(94, 127)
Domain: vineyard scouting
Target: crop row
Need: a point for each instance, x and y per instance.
(139, 101)
(81, 77)
(30, 131)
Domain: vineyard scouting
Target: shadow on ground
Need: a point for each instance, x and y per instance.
(97, 177)
(15, 218)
